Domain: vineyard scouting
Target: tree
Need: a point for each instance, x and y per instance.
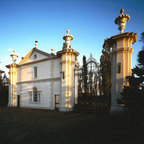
(95, 85)
(84, 74)
(100, 87)
(79, 87)
(133, 95)
(142, 39)
(1, 84)
(3, 90)
(105, 64)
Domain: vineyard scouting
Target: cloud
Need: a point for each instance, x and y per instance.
(9, 49)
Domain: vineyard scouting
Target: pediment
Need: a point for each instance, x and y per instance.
(34, 55)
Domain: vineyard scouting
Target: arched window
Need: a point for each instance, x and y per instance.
(35, 95)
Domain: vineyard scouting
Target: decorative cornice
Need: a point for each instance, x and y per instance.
(120, 50)
(39, 80)
(67, 51)
(132, 35)
(70, 62)
(12, 65)
(38, 61)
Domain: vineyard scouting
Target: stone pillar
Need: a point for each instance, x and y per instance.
(121, 66)
(68, 62)
(12, 102)
(121, 60)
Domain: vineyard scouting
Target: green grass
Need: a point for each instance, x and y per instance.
(32, 126)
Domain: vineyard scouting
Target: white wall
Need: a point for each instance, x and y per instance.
(46, 69)
(47, 97)
(47, 82)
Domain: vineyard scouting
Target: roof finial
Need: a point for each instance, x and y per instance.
(14, 56)
(68, 31)
(36, 44)
(52, 51)
(122, 20)
(67, 38)
(122, 11)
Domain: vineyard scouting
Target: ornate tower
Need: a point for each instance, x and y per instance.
(12, 102)
(121, 59)
(68, 65)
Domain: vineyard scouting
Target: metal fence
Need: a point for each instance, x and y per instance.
(93, 103)
(3, 95)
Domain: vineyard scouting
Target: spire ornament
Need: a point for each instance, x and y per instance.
(122, 20)
(67, 38)
(52, 51)
(36, 44)
(14, 56)
(68, 31)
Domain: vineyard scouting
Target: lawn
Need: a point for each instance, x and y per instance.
(28, 126)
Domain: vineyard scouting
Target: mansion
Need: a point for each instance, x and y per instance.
(45, 81)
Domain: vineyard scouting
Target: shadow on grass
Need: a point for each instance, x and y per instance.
(19, 125)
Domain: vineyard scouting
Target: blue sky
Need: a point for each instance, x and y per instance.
(90, 22)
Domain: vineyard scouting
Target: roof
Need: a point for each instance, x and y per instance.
(31, 52)
(1, 71)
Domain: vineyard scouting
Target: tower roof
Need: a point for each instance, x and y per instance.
(68, 36)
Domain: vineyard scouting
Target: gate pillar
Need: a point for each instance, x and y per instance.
(121, 61)
(12, 100)
(68, 81)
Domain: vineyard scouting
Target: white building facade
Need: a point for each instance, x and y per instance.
(45, 81)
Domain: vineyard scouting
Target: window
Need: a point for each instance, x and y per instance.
(119, 67)
(35, 56)
(35, 72)
(56, 101)
(35, 95)
(63, 75)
